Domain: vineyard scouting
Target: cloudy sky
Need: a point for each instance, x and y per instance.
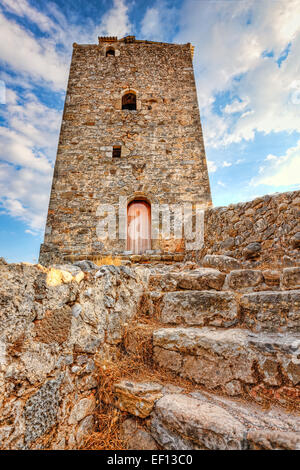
(247, 67)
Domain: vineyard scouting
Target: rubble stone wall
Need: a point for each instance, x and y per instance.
(54, 326)
(266, 229)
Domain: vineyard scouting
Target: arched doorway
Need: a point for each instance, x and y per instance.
(138, 227)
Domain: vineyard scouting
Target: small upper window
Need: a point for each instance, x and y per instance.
(110, 52)
(116, 151)
(129, 101)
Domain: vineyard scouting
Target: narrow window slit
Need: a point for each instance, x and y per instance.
(116, 151)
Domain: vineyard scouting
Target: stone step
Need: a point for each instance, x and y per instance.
(132, 258)
(201, 421)
(271, 311)
(184, 420)
(236, 361)
(198, 308)
(198, 279)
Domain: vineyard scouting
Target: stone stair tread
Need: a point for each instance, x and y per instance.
(198, 279)
(230, 358)
(271, 310)
(203, 421)
(181, 419)
(199, 307)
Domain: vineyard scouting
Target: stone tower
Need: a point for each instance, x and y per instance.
(131, 130)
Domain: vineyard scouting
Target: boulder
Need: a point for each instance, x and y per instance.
(222, 262)
(136, 437)
(137, 398)
(252, 250)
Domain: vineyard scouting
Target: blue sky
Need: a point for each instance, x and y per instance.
(247, 69)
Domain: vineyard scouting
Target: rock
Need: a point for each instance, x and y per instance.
(136, 437)
(199, 308)
(291, 278)
(222, 262)
(137, 398)
(272, 311)
(214, 357)
(83, 408)
(233, 388)
(271, 277)
(273, 440)
(252, 250)
(56, 277)
(85, 427)
(86, 265)
(244, 278)
(79, 277)
(205, 425)
(41, 410)
(295, 240)
(76, 310)
(3, 261)
(228, 243)
(74, 270)
(201, 279)
(135, 258)
(209, 356)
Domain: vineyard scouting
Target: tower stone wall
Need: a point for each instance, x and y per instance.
(162, 151)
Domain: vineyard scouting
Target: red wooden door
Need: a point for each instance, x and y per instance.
(138, 227)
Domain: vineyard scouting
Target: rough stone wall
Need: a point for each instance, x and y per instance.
(163, 156)
(54, 326)
(269, 224)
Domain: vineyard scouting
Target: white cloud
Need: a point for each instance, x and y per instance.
(36, 58)
(28, 146)
(281, 171)
(212, 167)
(235, 107)
(151, 24)
(23, 9)
(116, 21)
(159, 21)
(29, 135)
(230, 39)
(226, 164)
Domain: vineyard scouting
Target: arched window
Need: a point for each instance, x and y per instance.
(129, 101)
(110, 52)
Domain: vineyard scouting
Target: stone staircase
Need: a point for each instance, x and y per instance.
(235, 335)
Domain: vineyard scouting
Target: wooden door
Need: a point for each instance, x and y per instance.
(138, 227)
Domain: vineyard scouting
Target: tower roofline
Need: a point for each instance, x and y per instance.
(132, 39)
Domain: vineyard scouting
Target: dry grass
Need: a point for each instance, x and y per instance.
(108, 435)
(134, 365)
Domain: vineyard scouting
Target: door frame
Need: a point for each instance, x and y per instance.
(148, 203)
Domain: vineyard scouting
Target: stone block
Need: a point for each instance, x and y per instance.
(290, 278)
(272, 311)
(202, 425)
(199, 308)
(221, 262)
(244, 278)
